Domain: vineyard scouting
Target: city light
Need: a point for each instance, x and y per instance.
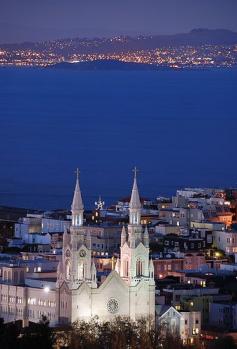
(178, 57)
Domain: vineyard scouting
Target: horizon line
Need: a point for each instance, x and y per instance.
(90, 38)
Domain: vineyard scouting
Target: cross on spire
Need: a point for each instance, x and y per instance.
(135, 170)
(135, 199)
(77, 203)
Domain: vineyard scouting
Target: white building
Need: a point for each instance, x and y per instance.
(26, 298)
(185, 324)
(129, 290)
(226, 241)
(74, 293)
(37, 224)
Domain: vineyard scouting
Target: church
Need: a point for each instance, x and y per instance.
(128, 291)
(74, 293)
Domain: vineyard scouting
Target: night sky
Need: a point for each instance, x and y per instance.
(22, 20)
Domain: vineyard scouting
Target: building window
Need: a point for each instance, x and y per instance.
(68, 267)
(195, 331)
(139, 270)
(125, 266)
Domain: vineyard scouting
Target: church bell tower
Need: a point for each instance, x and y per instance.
(134, 264)
(76, 257)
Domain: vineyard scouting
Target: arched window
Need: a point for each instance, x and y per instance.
(68, 269)
(136, 218)
(139, 268)
(9, 276)
(125, 268)
(22, 276)
(15, 276)
(81, 271)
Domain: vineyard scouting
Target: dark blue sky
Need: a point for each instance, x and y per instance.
(22, 20)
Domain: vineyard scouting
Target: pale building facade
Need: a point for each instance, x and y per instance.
(226, 241)
(185, 324)
(128, 291)
(26, 299)
(74, 294)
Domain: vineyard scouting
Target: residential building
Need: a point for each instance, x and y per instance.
(185, 324)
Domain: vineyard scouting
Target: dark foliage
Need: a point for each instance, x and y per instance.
(226, 342)
(36, 336)
(9, 334)
(120, 334)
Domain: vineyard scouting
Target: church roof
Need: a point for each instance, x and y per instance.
(77, 203)
(162, 309)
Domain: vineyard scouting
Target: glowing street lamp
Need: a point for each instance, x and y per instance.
(46, 289)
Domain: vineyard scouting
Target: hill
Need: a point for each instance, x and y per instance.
(196, 37)
(106, 65)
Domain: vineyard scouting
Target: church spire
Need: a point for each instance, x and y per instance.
(123, 236)
(77, 205)
(135, 199)
(135, 203)
(146, 237)
(151, 269)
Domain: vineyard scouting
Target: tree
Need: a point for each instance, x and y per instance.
(222, 343)
(121, 333)
(37, 336)
(9, 334)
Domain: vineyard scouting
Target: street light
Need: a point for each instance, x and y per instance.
(46, 289)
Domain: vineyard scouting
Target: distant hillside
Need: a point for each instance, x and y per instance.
(106, 65)
(196, 37)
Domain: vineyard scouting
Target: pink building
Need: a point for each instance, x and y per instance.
(194, 260)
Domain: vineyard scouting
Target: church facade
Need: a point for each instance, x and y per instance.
(128, 291)
(75, 294)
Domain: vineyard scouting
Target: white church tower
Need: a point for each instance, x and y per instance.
(134, 266)
(77, 205)
(128, 291)
(76, 267)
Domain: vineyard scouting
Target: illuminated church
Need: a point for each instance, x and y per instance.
(129, 290)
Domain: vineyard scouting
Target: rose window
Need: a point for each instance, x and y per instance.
(112, 306)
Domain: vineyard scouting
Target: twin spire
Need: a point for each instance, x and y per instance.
(77, 207)
(135, 202)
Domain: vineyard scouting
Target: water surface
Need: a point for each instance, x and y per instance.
(178, 128)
